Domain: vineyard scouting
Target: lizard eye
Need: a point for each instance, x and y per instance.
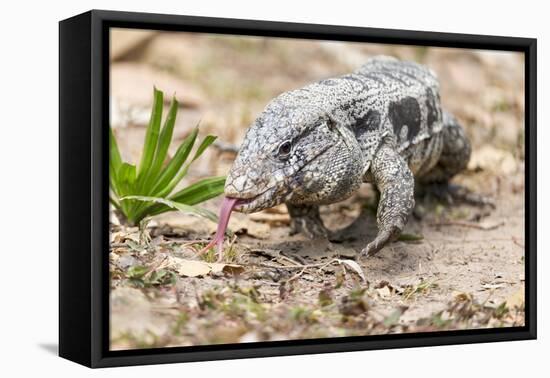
(284, 149)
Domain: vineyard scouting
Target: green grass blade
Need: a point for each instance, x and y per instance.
(127, 173)
(146, 186)
(175, 164)
(196, 193)
(115, 161)
(114, 152)
(162, 147)
(206, 142)
(127, 178)
(141, 190)
(200, 191)
(176, 205)
(151, 137)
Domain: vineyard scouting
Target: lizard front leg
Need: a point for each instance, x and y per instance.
(306, 219)
(395, 182)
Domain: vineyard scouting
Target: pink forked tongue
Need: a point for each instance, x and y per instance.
(227, 206)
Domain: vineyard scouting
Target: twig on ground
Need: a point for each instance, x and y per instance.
(296, 275)
(270, 283)
(118, 245)
(284, 257)
(298, 266)
(327, 264)
(187, 242)
(485, 227)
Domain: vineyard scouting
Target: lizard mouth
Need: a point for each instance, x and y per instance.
(252, 204)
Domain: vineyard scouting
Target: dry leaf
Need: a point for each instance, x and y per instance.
(355, 267)
(194, 268)
(384, 292)
(191, 268)
(492, 286)
(232, 269)
(117, 237)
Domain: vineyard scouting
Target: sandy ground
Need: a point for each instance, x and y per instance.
(456, 266)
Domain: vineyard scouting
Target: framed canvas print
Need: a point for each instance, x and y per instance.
(235, 188)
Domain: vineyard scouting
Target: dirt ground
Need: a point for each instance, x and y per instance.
(455, 267)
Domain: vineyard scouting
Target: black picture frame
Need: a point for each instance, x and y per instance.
(83, 196)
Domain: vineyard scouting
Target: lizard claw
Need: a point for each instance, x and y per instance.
(372, 248)
(452, 194)
(383, 238)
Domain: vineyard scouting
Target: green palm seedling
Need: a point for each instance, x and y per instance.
(146, 190)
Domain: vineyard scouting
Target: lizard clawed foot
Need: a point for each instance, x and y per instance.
(461, 193)
(306, 219)
(382, 239)
(452, 193)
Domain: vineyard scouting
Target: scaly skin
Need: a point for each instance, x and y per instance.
(382, 124)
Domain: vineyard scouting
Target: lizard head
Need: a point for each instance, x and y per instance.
(294, 153)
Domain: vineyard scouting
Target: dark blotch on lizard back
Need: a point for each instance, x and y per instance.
(367, 123)
(405, 112)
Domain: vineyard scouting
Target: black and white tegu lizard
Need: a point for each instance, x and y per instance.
(382, 124)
